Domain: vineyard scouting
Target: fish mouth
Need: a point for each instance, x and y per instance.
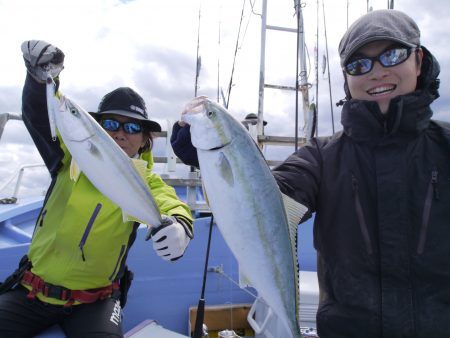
(221, 146)
(197, 105)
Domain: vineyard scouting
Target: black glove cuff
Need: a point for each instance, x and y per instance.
(187, 225)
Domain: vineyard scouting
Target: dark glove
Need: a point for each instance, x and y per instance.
(182, 144)
(42, 59)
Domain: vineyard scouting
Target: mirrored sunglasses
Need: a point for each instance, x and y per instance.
(389, 58)
(128, 127)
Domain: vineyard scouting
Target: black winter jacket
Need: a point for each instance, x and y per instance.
(381, 193)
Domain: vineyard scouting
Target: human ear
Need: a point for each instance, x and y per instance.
(419, 58)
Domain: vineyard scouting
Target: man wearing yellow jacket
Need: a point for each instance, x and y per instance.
(75, 274)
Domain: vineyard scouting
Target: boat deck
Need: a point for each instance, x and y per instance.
(162, 291)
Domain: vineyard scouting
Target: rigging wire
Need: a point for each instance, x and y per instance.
(328, 66)
(218, 65)
(252, 5)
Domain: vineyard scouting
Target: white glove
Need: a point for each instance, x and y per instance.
(169, 240)
(42, 58)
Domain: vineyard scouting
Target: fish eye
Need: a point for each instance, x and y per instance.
(73, 111)
(210, 113)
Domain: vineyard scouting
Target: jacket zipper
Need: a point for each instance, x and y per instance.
(41, 221)
(360, 215)
(88, 229)
(432, 193)
(122, 250)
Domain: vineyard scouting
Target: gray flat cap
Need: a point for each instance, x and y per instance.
(383, 24)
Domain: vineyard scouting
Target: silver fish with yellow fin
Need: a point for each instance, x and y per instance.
(103, 162)
(258, 223)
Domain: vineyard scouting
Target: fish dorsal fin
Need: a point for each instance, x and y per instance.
(294, 213)
(74, 170)
(141, 166)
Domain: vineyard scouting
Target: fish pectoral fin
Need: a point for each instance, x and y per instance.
(74, 171)
(141, 166)
(128, 218)
(225, 169)
(205, 195)
(244, 281)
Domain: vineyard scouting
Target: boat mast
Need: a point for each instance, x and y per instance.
(262, 67)
(301, 76)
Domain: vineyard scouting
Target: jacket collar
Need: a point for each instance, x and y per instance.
(408, 114)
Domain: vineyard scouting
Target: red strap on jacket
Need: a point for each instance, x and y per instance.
(54, 291)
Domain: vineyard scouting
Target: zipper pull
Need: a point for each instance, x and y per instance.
(355, 184)
(434, 180)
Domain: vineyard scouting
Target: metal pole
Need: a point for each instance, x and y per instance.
(303, 72)
(262, 66)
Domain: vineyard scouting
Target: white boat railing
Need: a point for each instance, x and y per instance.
(19, 174)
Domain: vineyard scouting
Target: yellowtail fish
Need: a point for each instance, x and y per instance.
(103, 162)
(248, 207)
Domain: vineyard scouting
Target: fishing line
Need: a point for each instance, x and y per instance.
(219, 270)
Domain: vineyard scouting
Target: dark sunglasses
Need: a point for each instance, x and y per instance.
(389, 58)
(128, 127)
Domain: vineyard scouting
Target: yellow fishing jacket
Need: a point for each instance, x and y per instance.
(67, 249)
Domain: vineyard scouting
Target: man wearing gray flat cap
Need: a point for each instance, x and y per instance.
(380, 189)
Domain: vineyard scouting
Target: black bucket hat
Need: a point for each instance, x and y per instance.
(126, 102)
(383, 24)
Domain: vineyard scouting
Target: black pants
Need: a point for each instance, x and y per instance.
(24, 318)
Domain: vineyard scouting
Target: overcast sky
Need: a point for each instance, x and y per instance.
(151, 46)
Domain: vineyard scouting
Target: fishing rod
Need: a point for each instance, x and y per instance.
(234, 58)
(328, 66)
(5, 117)
(198, 59)
(315, 128)
(198, 331)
